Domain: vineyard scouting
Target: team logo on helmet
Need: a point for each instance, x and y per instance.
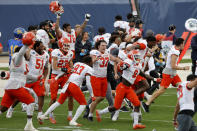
(191, 25)
(64, 44)
(134, 55)
(18, 32)
(56, 8)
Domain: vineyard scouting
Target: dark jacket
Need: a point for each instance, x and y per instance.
(79, 46)
(194, 47)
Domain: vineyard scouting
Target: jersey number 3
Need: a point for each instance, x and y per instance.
(104, 61)
(78, 69)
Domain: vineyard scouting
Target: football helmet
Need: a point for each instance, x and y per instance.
(28, 38)
(56, 8)
(134, 55)
(159, 37)
(191, 25)
(18, 32)
(64, 44)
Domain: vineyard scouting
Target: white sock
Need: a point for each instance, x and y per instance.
(90, 115)
(135, 116)
(70, 113)
(39, 113)
(89, 105)
(79, 111)
(104, 111)
(51, 108)
(0, 112)
(29, 120)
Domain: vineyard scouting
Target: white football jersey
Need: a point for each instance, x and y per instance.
(173, 51)
(185, 96)
(80, 71)
(105, 37)
(62, 60)
(17, 74)
(121, 24)
(143, 53)
(37, 63)
(131, 73)
(43, 36)
(113, 45)
(100, 66)
(71, 37)
(122, 55)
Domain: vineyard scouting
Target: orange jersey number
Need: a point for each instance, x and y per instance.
(78, 69)
(104, 61)
(62, 63)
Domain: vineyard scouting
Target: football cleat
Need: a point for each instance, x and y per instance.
(52, 119)
(98, 116)
(30, 127)
(9, 113)
(138, 126)
(124, 109)
(74, 123)
(145, 107)
(85, 116)
(116, 115)
(90, 118)
(69, 118)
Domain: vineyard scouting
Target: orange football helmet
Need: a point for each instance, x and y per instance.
(134, 55)
(55, 7)
(64, 44)
(28, 38)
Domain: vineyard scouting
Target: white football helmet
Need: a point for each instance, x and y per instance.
(191, 25)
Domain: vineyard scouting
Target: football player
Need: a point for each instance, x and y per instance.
(61, 64)
(102, 35)
(38, 69)
(72, 88)
(130, 68)
(100, 59)
(169, 75)
(15, 89)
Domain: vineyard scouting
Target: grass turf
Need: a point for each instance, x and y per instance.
(159, 118)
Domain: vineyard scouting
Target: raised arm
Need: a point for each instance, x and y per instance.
(87, 18)
(57, 28)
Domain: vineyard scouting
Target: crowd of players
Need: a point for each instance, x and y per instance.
(122, 66)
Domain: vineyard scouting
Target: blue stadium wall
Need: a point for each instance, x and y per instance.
(156, 14)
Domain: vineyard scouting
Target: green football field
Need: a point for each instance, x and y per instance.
(159, 118)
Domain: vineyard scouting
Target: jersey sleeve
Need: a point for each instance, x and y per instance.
(94, 52)
(54, 53)
(47, 60)
(176, 52)
(90, 71)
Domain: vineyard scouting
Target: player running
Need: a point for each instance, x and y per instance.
(61, 69)
(169, 75)
(72, 88)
